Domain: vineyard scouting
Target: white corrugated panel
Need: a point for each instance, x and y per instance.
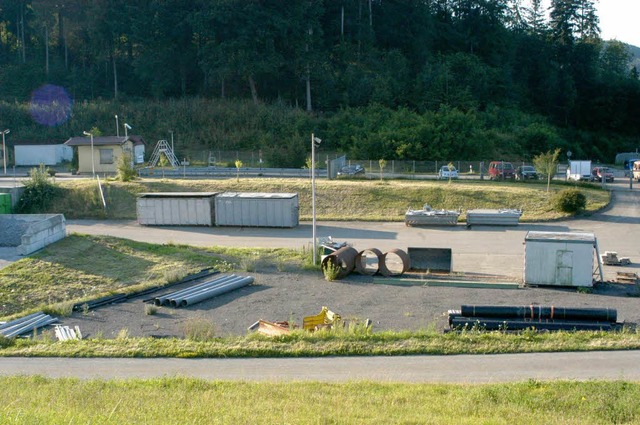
(176, 209)
(257, 209)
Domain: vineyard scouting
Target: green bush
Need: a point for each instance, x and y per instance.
(38, 193)
(570, 201)
(126, 172)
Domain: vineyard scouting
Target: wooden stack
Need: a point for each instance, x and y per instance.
(624, 277)
(610, 258)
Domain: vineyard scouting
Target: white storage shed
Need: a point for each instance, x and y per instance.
(559, 258)
(257, 209)
(176, 208)
(48, 154)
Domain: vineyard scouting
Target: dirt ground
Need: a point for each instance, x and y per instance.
(286, 296)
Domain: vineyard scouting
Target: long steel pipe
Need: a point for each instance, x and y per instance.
(164, 299)
(178, 302)
(22, 323)
(492, 324)
(20, 320)
(38, 323)
(540, 312)
(216, 291)
(171, 300)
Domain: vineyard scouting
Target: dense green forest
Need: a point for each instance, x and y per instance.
(394, 79)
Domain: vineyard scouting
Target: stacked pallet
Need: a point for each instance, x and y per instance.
(515, 318)
(627, 277)
(610, 258)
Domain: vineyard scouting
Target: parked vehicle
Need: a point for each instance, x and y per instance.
(500, 170)
(351, 170)
(579, 171)
(526, 172)
(628, 166)
(636, 170)
(446, 173)
(602, 173)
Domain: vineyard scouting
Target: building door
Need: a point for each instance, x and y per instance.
(564, 268)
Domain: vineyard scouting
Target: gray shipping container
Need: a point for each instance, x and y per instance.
(176, 208)
(257, 209)
(559, 258)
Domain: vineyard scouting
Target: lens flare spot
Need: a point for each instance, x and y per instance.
(50, 105)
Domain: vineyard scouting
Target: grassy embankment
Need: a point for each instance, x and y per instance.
(339, 200)
(174, 400)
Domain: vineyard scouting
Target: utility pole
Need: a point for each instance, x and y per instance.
(315, 142)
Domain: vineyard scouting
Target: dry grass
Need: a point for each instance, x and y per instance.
(340, 200)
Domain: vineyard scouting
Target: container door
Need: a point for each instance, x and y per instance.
(564, 268)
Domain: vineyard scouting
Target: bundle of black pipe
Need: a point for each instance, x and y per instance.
(533, 316)
(540, 312)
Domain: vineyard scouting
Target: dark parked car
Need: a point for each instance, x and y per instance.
(351, 170)
(526, 172)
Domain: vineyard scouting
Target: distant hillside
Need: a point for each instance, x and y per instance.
(635, 53)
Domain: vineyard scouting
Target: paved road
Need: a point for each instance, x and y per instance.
(610, 365)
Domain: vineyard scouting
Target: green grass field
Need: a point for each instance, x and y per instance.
(36, 400)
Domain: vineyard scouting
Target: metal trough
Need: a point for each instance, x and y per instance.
(489, 217)
(433, 259)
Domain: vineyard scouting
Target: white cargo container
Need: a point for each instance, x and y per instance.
(176, 208)
(579, 170)
(257, 209)
(559, 258)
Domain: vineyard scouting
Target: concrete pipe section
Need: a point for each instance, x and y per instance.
(394, 263)
(368, 261)
(343, 259)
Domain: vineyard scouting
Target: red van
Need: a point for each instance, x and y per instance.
(500, 170)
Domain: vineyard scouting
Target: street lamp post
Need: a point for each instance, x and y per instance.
(117, 127)
(4, 150)
(126, 127)
(93, 166)
(315, 142)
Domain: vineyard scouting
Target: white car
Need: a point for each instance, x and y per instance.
(446, 173)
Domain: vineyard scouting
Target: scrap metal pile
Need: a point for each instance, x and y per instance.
(514, 318)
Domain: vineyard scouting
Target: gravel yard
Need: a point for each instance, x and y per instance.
(282, 296)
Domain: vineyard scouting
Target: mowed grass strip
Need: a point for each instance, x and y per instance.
(327, 343)
(41, 400)
(336, 200)
(80, 267)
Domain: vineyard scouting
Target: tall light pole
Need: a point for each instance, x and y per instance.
(93, 166)
(4, 150)
(315, 142)
(117, 127)
(126, 127)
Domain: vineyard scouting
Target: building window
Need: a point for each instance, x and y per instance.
(106, 156)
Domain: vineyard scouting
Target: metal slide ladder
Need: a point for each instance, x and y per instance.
(162, 147)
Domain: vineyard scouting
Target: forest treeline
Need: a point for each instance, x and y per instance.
(394, 79)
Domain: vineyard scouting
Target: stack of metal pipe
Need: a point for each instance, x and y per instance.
(26, 324)
(202, 291)
(550, 318)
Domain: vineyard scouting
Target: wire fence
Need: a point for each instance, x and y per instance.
(254, 159)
